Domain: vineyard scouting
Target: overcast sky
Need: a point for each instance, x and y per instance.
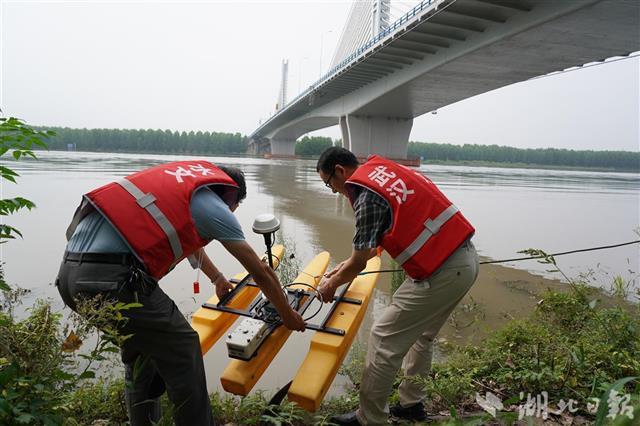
(215, 66)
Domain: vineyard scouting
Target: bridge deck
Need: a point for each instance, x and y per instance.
(459, 49)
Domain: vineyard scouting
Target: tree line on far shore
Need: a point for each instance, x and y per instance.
(173, 142)
(151, 141)
(615, 160)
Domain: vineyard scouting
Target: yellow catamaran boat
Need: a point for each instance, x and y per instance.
(327, 351)
(240, 376)
(256, 341)
(211, 324)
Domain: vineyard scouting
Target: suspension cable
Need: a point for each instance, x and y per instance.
(517, 259)
(487, 262)
(562, 253)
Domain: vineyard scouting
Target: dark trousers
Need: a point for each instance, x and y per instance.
(164, 351)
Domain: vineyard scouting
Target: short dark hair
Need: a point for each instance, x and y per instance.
(333, 156)
(238, 177)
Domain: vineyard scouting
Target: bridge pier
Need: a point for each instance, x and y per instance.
(283, 147)
(366, 135)
(258, 146)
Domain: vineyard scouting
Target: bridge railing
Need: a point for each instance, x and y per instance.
(374, 40)
(411, 14)
(370, 43)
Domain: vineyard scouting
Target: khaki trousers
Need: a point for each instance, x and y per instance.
(406, 331)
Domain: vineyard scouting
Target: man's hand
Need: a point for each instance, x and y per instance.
(268, 282)
(293, 321)
(335, 270)
(327, 291)
(206, 265)
(222, 287)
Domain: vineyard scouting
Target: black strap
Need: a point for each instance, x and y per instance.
(110, 258)
(279, 396)
(274, 402)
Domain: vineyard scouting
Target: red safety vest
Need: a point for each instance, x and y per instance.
(427, 228)
(151, 210)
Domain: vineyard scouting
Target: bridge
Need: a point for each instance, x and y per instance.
(438, 53)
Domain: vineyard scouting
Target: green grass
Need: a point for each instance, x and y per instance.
(571, 346)
(568, 347)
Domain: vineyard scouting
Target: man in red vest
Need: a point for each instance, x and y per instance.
(127, 235)
(402, 211)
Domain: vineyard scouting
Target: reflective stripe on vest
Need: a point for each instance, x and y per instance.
(146, 201)
(432, 226)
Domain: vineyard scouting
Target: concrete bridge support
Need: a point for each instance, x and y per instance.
(283, 147)
(258, 146)
(366, 135)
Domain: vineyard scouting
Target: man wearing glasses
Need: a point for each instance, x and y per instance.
(405, 213)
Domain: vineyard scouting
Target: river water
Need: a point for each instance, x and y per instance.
(512, 209)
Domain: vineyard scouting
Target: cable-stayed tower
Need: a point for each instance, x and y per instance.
(282, 94)
(366, 19)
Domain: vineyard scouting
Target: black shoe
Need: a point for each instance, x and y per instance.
(414, 412)
(348, 419)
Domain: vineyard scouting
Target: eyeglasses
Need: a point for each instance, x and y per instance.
(327, 182)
